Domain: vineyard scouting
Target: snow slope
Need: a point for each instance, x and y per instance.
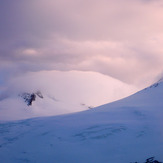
(63, 92)
(125, 131)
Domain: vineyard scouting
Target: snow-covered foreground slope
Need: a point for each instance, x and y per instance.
(63, 92)
(129, 130)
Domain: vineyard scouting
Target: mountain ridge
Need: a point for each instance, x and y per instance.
(63, 92)
(125, 131)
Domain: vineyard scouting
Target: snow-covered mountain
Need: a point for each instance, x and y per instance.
(126, 131)
(49, 93)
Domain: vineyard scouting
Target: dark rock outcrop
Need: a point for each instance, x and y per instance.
(30, 97)
(152, 160)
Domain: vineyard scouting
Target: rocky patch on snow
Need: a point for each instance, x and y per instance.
(30, 97)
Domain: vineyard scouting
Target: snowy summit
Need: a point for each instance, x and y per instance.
(126, 131)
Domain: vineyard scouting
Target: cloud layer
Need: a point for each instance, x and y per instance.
(120, 38)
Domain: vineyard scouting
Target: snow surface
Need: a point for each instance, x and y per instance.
(125, 131)
(63, 92)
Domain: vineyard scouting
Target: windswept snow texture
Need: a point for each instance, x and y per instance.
(129, 130)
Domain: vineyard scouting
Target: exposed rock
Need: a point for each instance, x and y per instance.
(30, 97)
(152, 160)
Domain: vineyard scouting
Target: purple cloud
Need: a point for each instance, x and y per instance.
(122, 38)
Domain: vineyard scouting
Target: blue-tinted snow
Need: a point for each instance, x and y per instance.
(125, 131)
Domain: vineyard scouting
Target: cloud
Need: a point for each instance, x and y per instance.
(121, 38)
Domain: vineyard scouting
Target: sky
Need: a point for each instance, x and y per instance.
(119, 38)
